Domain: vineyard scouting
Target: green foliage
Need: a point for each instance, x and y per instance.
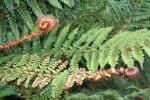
(142, 94)
(97, 34)
(6, 90)
(57, 3)
(41, 70)
(127, 45)
(121, 14)
(58, 84)
(35, 7)
(108, 89)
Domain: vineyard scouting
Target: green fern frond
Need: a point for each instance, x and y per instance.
(146, 47)
(93, 35)
(35, 7)
(58, 84)
(103, 57)
(94, 61)
(55, 3)
(23, 61)
(70, 38)
(138, 55)
(127, 57)
(22, 10)
(50, 39)
(108, 51)
(62, 36)
(9, 6)
(87, 57)
(6, 90)
(14, 26)
(74, 61)
(113, 56)
(67, 2)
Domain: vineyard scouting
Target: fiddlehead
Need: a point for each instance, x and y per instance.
(46, 23)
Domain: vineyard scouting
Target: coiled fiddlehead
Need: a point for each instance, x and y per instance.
(46, 23)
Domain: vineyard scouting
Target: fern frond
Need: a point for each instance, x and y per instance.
(102, 36)
(70, 38)
(33, 68)
(35, 7)
(14, 26)
(138, 55)
(55, 3)
(146, 47)
(22, 10)
(94, 61)
(91, 36)
(58, 84)
(74, 61)
(62, 36)
(113, 56)
(103, 57)
(67, 2)
(23, 61)
(6, 90)
(127, 57)
(9, 5)
(126, 42)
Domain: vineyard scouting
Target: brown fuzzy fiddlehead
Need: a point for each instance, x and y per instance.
(46, 23)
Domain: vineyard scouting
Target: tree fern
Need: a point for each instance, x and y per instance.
(91, 36)
(108, 51)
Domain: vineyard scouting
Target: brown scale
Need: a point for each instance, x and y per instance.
(46, 23)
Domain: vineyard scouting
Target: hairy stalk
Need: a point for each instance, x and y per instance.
(80, 75)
